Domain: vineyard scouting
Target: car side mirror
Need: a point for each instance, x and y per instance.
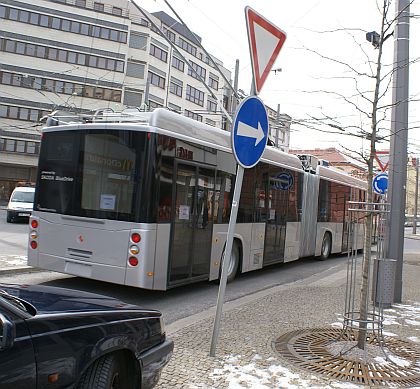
(7, 333)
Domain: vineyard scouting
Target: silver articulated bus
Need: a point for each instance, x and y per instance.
(144, 200)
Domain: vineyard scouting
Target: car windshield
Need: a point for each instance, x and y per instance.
(23, 197)
(18, 303)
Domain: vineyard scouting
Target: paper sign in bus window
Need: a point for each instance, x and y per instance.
(107, 202)
(184, 212)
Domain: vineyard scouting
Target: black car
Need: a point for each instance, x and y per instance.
(60, 338)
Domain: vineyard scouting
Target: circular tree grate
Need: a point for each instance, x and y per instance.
(308, 349)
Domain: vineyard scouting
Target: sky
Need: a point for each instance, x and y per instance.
(309, 85)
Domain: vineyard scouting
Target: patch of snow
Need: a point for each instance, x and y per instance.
(250, 375)
(399, 361)
(337, 325)
(412, 322)
(389, 322)
(414, 339)
(386, 333)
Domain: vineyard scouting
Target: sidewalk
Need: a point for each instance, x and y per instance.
(245, 357)
(14, 264)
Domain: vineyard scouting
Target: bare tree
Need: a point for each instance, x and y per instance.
(380, 76)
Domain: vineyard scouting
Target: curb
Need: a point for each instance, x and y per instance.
(20, 270)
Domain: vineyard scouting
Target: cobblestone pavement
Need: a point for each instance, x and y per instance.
(245, 357)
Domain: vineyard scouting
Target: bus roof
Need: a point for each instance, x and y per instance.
(165, 122)
(336, 175)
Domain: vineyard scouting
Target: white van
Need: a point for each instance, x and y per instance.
(21, 203)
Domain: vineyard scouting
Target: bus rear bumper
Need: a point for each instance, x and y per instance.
(86, 269)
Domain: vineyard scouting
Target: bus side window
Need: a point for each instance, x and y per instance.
(165, 192)
(223, 197)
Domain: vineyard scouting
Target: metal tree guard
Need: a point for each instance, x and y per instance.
(379, 273)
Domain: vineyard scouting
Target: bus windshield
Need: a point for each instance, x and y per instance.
(94, 173)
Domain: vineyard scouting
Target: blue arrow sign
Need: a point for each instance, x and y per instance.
(250, 132)
(380, 183)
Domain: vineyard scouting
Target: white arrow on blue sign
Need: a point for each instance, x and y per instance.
(380, 183)
(250, 132)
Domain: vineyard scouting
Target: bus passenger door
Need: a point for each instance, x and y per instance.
(192, 223)
(277, 197)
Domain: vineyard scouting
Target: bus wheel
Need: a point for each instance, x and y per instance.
(326, 246)
(233, 263)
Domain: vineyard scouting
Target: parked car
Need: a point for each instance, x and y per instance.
(20, 204)
(59, 338)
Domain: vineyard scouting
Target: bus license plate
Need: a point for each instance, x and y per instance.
(24, 214)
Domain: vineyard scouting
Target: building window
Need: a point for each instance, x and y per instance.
(132, 99)
(80, 3)
(10, 145)
(211, 105)
(178, 64)
(199, 69)
(117, 11)
(153, 105)
(193, 115)
(169, 34)
(213, 81)
(20, 146)
(57, 86)
(156, 80)
(158, 53)
(137, 41)
(211, 122)
(11, 112)
(135, 69)
(98, 6)
(30, 147)
(194, 95)
(174, 107)
(175, 88)
(188, 47)
(62, 55)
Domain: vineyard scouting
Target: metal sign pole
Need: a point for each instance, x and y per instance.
(226, 257)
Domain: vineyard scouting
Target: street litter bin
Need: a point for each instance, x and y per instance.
(385, 282)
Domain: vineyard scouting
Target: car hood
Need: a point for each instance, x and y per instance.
(19, 205)
(50, 299)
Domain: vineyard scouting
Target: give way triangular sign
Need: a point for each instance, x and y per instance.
(265, 41)
(382, 157)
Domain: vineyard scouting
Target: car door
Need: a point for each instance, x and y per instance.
(17, 359)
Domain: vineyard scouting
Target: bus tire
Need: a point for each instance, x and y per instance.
(326, 247)
(233, 263)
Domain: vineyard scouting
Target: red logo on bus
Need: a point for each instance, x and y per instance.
(80, 238)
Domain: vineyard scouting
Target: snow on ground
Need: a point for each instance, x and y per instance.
(257, 374)
(399, 314)
(14, 259)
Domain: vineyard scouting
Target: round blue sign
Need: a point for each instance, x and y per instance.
(380, 183)
(283, 181)
(250, 132)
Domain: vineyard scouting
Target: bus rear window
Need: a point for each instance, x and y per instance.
(107, 174)
(93, 173)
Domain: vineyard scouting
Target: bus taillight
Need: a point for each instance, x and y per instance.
(133, 261)
(34, 245)
(34, 224)
(135, 237)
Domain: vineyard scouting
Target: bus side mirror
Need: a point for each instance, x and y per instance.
(7, 333)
